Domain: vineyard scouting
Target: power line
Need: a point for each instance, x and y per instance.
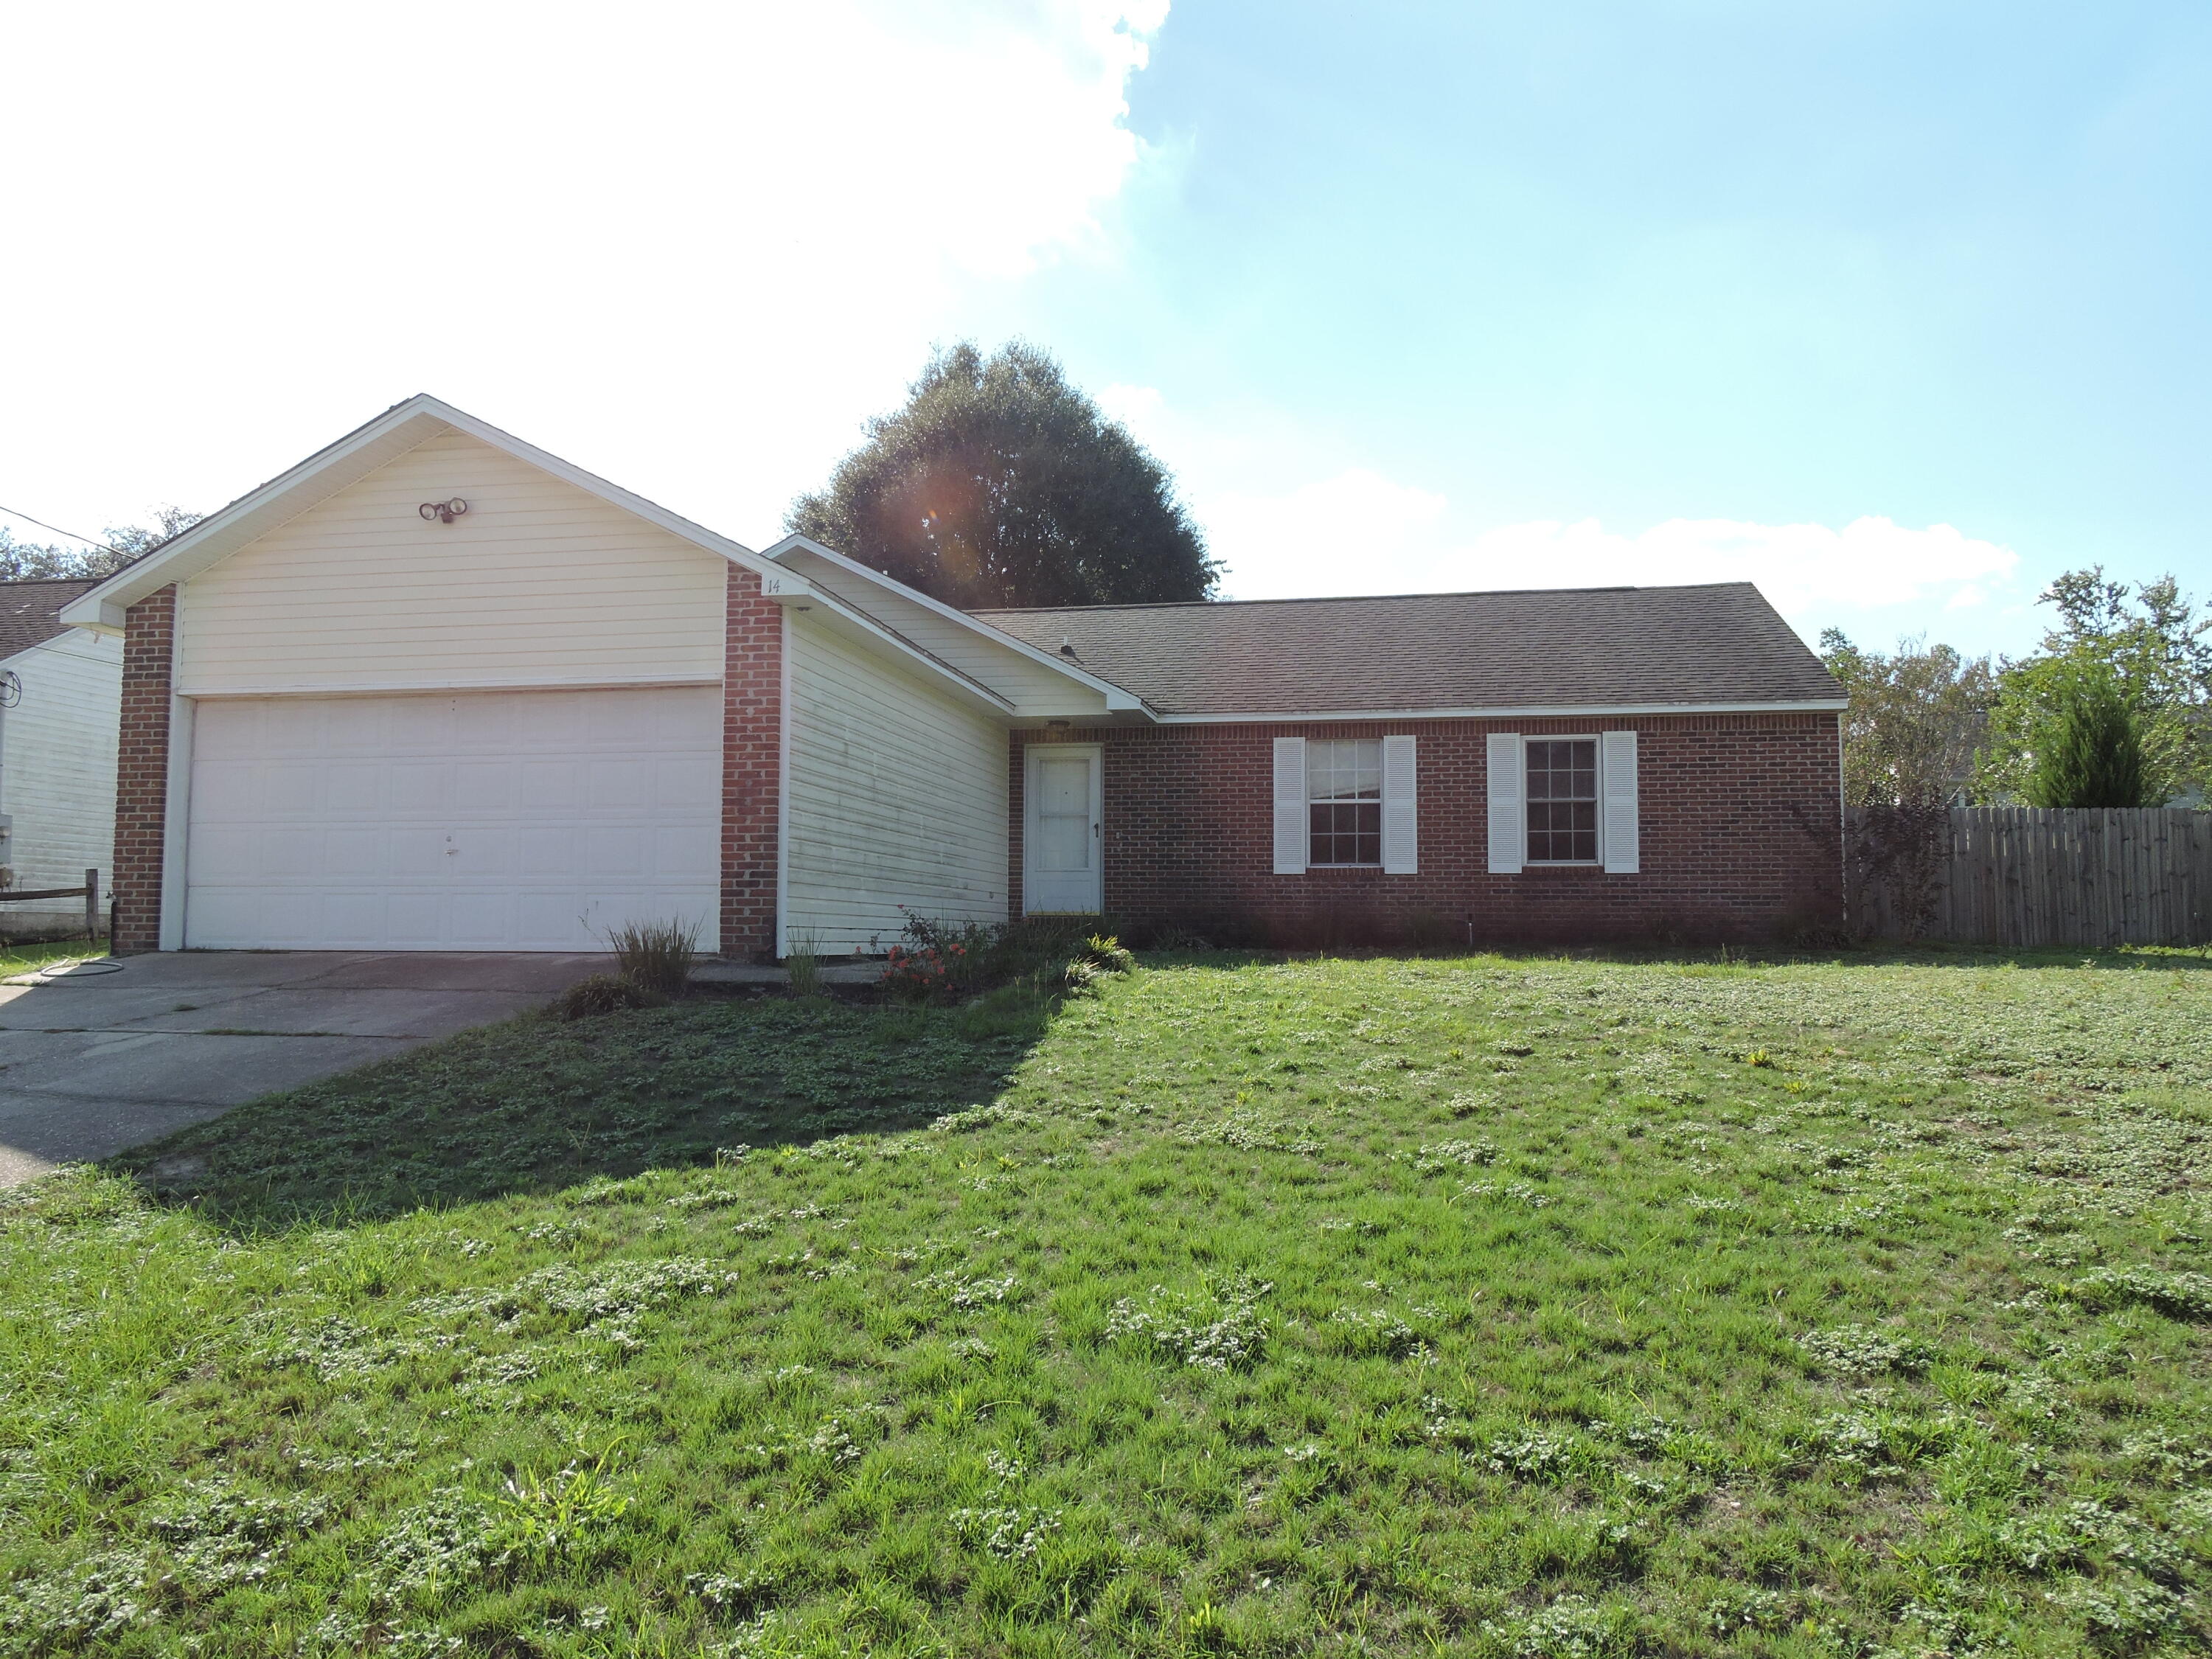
(57, 530)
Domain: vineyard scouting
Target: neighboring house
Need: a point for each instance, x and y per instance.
(353, 721)
(57, 728)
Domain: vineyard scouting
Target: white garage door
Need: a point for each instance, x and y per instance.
(471, 821)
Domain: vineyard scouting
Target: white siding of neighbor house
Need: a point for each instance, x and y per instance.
(898, 795)
(57, 773)
(538, 584)
(1033, 689)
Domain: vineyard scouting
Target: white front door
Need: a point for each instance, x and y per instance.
(461, 821)
(1063, 840)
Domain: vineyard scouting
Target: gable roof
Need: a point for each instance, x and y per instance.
(793, 549)
(30, 611)
(328, 471)
(1619, 650)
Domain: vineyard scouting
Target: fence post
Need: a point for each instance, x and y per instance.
(92, 904)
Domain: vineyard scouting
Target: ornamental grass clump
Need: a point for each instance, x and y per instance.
(656, 957)
(802, 965)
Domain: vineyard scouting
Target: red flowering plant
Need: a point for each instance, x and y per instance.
(939, 958)
(915, 975)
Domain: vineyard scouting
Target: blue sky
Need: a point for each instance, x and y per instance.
(1899, 310)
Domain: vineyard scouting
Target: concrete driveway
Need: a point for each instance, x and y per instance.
(97, 1061)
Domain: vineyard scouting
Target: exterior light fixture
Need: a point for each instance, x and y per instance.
(443, 512)
(1056, 726)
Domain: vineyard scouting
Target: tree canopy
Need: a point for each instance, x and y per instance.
(21, 561)
(2146, 646)
(1916, 723)
(1000, 484)
(2115, 710)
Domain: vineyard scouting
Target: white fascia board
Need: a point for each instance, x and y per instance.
(352, 457)
(851, 620)
(1534, 711)
(1118, 699)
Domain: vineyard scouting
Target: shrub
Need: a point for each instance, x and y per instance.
(656, 957)
(918, 976)
(1108, 954)
(943, 959)
(602, 994)
(2094, 755)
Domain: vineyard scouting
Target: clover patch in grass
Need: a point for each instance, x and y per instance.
(1216, 1326)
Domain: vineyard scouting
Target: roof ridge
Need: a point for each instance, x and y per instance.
(1352, 598)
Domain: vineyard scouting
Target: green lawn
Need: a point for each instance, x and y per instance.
(31, 956)
(1487, 1306)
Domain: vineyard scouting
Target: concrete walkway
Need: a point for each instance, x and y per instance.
(97, 1060)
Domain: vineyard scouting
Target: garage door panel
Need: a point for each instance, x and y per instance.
(618, 785)
(482, 820)
(544, 786)
(677, 786)
(678, 848)
(484, 852)
(486, 786)
(350, 786)
(421, 787)
(355, 724)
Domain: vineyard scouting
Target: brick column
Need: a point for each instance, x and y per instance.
(142, 772)
(752, 736)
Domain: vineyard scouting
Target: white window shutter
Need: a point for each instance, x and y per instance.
(1616, 781)
(1509, 821)
(1292, 821)
(1401, 817)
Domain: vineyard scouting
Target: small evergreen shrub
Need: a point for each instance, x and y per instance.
(2094, 757)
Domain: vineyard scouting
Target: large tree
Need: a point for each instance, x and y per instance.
(1916, 722)
(999, 483)
(21, 561)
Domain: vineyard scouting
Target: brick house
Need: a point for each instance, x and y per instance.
(433, 688)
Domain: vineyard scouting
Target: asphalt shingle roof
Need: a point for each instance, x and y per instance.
(1624, 647)
(29, 610)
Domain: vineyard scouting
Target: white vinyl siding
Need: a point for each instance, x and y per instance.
(898, 795)
(57, 772)
(1031, 687)
(540, 583)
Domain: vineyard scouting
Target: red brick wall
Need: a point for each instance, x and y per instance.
(142, 772)
(752, 723)
(1738, 840)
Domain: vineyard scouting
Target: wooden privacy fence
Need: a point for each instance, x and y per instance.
(2094, 876)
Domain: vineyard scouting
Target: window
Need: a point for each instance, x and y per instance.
(1563, 800)
(1343, 797)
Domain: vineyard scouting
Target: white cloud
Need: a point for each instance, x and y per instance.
(1344, 534)
(1360, 532)
(690, 244)
(1804, 568)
